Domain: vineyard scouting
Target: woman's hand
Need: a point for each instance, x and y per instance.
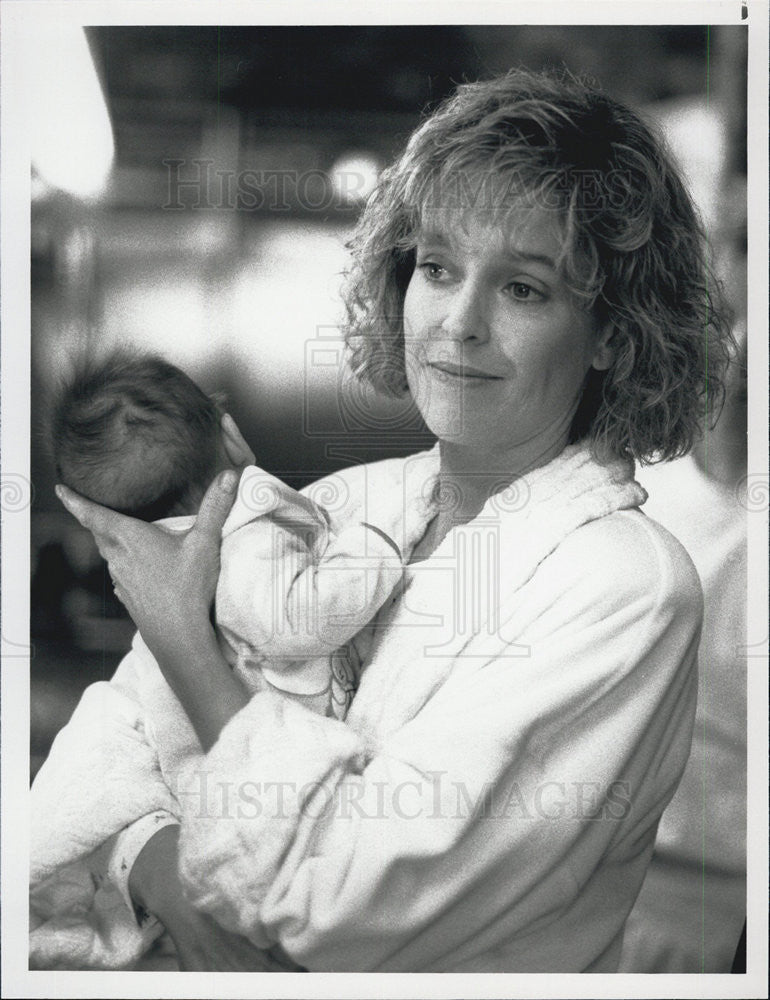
(201, 944)
(166, 581)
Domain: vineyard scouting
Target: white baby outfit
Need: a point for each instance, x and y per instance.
(292, 590)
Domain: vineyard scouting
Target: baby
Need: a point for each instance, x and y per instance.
(134, 433)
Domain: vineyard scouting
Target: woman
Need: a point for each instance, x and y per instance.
(532, 272)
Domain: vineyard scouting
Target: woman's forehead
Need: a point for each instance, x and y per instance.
(523, 225)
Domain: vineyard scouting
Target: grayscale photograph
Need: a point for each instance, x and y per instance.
(387, 501)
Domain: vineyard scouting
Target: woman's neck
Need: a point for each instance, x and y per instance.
(469, 476)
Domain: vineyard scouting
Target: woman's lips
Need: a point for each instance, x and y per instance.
(465, 373)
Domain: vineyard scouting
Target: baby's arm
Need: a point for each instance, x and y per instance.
(337, 595)
(288, 602)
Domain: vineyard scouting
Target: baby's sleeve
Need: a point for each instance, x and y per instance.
(340, 593)
(290, 596)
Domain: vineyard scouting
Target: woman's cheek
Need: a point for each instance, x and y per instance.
(414, 361)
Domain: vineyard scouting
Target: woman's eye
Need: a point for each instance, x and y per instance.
(523, 292)
(432, 270)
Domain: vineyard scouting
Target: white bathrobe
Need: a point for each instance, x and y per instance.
(491, 801)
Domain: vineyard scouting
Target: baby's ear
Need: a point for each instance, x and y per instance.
(604, 351)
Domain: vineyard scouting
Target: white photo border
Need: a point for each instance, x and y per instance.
(19, 18)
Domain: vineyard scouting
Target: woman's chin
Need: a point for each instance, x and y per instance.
(445, 425)
(451, 427)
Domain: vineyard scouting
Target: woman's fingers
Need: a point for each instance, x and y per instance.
(106, 524)
(216, 505)
(162, 579)
(238, 451)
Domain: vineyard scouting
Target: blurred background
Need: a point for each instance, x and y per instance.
(193, 189)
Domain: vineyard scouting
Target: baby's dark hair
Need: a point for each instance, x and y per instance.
(134, 433)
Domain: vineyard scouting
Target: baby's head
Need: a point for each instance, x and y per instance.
(134, 433)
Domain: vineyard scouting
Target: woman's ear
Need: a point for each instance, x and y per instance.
(604, 352)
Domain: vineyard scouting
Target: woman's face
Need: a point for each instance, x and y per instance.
(497, 350)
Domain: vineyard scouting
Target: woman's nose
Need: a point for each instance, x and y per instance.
(466, 315)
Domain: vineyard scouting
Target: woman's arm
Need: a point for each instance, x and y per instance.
(167, 584)
(202, 680)
(201, 944)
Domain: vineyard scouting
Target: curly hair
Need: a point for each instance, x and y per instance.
(633, 250)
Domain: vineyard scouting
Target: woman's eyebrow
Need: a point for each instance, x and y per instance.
(434, 237)
(536, 258)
